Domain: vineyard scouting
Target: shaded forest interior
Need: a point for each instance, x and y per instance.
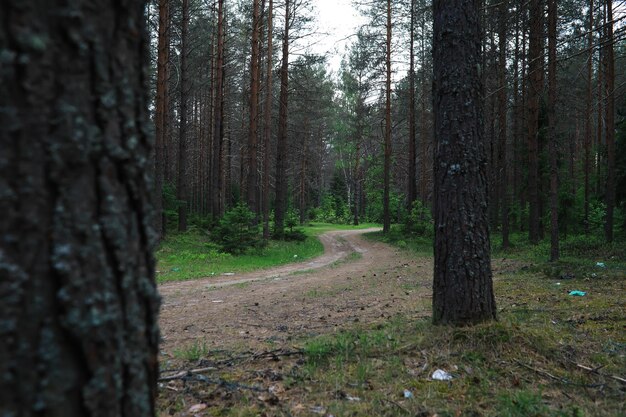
(246, 115)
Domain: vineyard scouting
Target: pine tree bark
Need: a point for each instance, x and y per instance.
(535, 87)
(253, 134)
(462, 288)
(217, 185)
(267, 132)
(78, 317)
(387, 165)
(412, 186)
(281, 137)
(160, 116)
(553, 150)
(502, 122)
(610, 124)
(587, 163)
(182, 182)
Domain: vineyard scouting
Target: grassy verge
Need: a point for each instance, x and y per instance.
(422, 246)
(316, 229)
(192, 255)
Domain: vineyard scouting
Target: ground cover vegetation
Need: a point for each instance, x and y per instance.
(549, 353)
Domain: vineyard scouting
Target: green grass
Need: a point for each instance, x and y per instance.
(193, 352)
(192, 255)
(316, 229)
(525, 364)
(420, 245)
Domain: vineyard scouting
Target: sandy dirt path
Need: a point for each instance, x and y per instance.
(273, 308)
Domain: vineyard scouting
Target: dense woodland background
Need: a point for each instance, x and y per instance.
(244, 113)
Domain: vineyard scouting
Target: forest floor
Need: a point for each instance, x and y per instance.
(349, 333)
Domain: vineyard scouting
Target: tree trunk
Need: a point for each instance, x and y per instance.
(502, 122)
(462, 288)
(553, 150)
(267, 134)
(587, 166)
(610, 124)
(412, 186)
(160, 116)
(79, 303)
(387, 167)
(182, 183)
(281, 139)
(217, 186)
(535, 86)
(253, 174)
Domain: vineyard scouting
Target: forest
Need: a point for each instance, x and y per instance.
(245, 113)
(235, 208)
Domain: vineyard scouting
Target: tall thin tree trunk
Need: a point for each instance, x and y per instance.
(160, 117)
(535, 74)
(218, 119)
(79, 330)
(253, 134)
(182, 183)
(502, 122)
(267, 133)
(281, 138)
(462, 288)
(610, 124)
(517, 119)
(587, 166)
(412, 186)
(553, 146)
(387, 167)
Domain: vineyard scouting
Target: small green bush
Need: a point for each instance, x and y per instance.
(237, 232)
(419, 222)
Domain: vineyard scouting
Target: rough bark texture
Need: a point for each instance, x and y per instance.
(253, 175)
(587, 166)
(462, 289)
(610, 123)
(267, 132)
(535, 87)
(78, 316)
(387, 167)
(160, 114)
(502, 122)
(553, 151)
(281, 139)
(412, 186)
(182, 182)
(218, 120)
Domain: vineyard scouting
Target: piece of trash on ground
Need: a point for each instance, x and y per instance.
(196, 408)
(441, 375)
(408, 394)
(228, 274)
(176, 269)
(600, 265)
(217, 301)
(577, 293)
(351, 398)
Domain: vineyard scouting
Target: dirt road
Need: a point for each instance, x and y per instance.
(355, 281)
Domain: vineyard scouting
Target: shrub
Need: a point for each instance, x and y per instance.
(419, 222)
(237, 231)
